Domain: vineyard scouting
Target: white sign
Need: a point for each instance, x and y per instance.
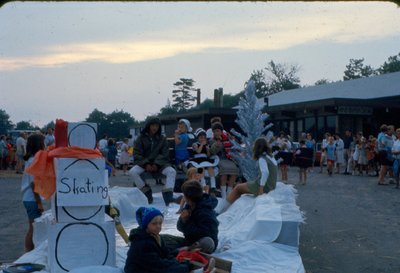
(82, 134)
(81, 182)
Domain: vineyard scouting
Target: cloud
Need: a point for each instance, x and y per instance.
(333, 23)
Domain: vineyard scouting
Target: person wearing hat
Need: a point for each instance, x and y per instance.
(148, 252)
(151, 154)
(181, 142)
(202, 157)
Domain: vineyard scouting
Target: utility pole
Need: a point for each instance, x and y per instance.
(198, 96)
(218, 98)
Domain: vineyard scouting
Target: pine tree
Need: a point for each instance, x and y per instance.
(182, 99)
(251, 120)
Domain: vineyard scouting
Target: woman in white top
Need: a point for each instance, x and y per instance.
(339, 152)
(266, 179)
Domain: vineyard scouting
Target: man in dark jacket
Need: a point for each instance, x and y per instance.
(151, 155)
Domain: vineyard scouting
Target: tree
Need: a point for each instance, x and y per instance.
(26, 125)
(356, 70)
(282, 77)
(182, 99)
(258, 77)
(5, 123)
(168, 109)
(251, 120)
(232, 100)
(322, 82)
(115, 124)
(51, 124)
(118, 124)
(100, 118)
(207, 103)
(392, 65)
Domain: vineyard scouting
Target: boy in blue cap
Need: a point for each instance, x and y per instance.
(148, 252)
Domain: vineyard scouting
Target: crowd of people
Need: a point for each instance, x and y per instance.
(361, 155)
(12, 151)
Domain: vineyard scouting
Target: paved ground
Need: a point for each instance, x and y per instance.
(353, 225)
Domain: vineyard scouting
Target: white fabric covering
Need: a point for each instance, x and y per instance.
(248, 231)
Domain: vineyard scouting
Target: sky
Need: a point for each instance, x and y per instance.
(63, 60)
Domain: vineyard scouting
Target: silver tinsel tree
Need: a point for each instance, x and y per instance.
(251, 120)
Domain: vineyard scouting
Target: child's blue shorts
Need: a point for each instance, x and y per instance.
(32, 209)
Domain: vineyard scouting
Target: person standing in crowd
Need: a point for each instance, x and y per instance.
(220, 146)
(32, 201)
(339, 152)
(151, 154)
(21, 147)
(331, 155)
(372, 157)
(10, 159)
(396, 156)
(323, 152)
(112, 154)
(303, 159)
(286, 157)
(385, 144)
(347, 140)
(3, 153)
(103, 145)
(266, 179)
(310, 143)
(362, 158)
(49, 138)
(124, 157)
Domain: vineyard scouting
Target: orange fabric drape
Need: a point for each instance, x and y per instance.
(42, 167)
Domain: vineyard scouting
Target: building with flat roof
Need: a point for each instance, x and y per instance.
(358, 105)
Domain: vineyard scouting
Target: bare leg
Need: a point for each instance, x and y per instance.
(382, 174)
(231, 183)
(29, 238)
(305, 176)
(237, 192)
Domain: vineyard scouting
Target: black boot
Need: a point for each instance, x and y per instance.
(148, 192)
(168, 197)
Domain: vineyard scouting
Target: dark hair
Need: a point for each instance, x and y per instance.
(261, 146)
(34, 144)
(110, 142)
(192, 190)
(302, 142)
(215, 119)
(217, 125)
